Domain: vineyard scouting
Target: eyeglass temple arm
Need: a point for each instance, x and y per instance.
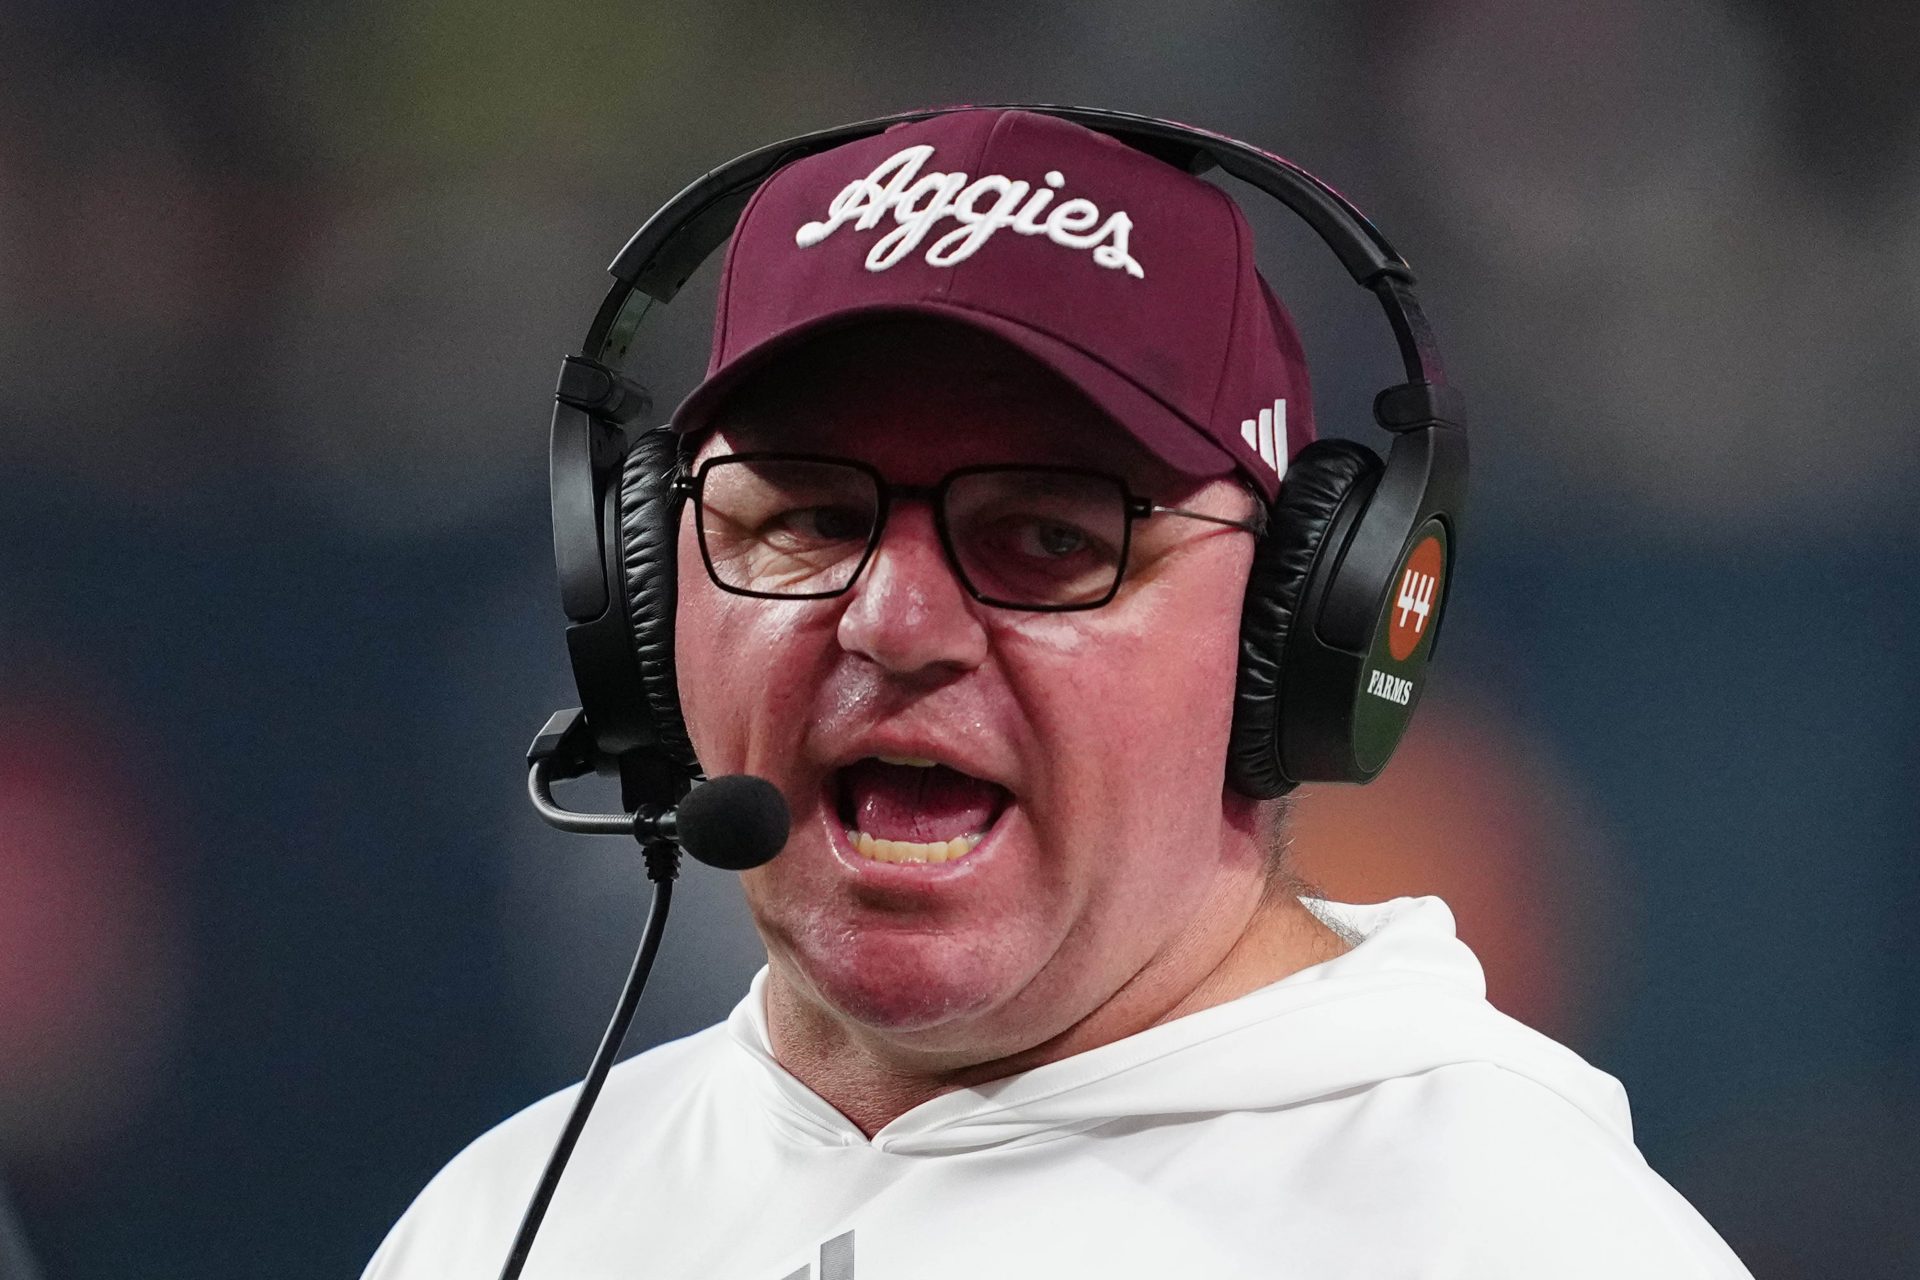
(1155, 509)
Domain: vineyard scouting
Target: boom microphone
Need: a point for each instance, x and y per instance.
(732, 823)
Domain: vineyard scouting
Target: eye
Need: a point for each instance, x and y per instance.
(1025, 544)
(1050, 539)
(818, 525)
(841, 523)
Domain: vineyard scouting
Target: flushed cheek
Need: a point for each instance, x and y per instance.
(745, 676)
(1132, 764)
(1058, 634)
(1126, 698)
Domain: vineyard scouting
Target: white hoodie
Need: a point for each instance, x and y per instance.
(1371, 1116)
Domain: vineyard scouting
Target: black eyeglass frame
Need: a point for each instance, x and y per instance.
(1134, 507)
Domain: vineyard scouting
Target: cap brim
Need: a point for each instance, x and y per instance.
(1163, 432)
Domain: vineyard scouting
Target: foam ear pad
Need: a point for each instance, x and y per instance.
(649, 561)
(1320, 480)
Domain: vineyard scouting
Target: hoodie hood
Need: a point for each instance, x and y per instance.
(1409, 998)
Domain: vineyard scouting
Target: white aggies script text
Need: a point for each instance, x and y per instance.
(918, 200)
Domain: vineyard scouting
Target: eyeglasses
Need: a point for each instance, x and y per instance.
(792, 526)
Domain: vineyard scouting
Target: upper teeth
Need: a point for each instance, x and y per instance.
(916, 761)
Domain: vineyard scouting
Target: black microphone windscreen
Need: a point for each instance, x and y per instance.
(733, 823)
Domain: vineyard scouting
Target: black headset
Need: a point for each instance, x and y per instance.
(1347, 587)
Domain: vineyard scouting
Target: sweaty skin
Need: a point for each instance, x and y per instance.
(1123, 885)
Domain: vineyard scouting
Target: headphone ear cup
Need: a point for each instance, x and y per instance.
(1321, 479)
(649, 561)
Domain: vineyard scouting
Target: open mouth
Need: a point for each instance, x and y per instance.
(900, 809)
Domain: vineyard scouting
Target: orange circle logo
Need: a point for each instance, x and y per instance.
(1415, 599)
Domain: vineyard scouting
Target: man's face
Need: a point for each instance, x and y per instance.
(1089, 746)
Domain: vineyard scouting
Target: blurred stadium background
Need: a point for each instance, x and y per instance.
(283, 290)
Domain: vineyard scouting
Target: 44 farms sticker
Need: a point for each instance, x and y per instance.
(1413, 600)
(1397, 660)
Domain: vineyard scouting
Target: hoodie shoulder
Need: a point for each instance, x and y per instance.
(1517, 1180)
(464, 1219)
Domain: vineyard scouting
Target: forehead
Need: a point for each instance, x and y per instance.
(917, 397)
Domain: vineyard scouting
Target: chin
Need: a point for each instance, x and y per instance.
(909, 982)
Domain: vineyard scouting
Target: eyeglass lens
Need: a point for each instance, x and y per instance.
(1019, 536)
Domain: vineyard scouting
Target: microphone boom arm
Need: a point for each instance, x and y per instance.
(562, 750)
(642, 826)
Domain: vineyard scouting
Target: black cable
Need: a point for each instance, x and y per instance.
(663, 864)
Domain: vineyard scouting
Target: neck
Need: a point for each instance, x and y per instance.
(872, 1078)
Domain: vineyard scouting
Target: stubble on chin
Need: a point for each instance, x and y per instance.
(908, 1005)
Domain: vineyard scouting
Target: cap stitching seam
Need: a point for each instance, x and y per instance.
(1226, 359)
(1004, 119)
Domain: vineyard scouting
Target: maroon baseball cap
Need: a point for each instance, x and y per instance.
(1129, 278)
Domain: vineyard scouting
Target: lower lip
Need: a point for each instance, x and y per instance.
(874, 871)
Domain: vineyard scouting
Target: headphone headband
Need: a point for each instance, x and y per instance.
(660, 256)
(663, 254)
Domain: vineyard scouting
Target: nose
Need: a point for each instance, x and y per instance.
(907, 612)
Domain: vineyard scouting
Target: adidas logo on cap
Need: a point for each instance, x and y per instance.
(1267, 436)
